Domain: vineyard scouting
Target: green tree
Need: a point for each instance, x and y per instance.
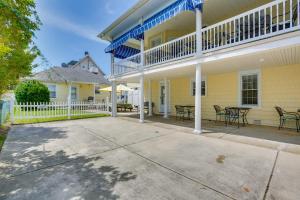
(18, 22)
(32, 91)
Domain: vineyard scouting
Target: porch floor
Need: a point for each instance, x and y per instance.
(265, 136)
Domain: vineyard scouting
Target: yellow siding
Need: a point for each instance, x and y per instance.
(83, 92)
(279, 86)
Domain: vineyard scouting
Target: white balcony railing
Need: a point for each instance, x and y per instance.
(176, 49)
(271, 19)
(277, 17)
(127, 65)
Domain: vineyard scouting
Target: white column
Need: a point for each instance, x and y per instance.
(198, 97)
(142, 54)
(198, 31)
(112, 63)
(150, 97)
(166, 98)
(141, 98)
(69, 99)
(114, 99)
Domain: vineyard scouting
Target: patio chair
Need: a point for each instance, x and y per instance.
(284, 116)
(232, 115)
(219, 112)
(180, 112)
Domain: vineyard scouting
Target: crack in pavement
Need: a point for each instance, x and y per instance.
(271, 175)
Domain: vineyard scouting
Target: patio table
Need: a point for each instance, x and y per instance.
(189, 109)
(238, 112)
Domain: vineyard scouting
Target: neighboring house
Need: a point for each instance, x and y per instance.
(82, 85)
(86, 63)
(205, 53)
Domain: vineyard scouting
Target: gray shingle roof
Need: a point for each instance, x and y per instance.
(60, 74)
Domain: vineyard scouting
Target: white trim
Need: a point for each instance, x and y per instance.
(250, 72)
(50, 84)
(204, 78)
(77, 92)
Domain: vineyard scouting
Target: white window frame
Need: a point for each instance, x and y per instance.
(191, 86)
(157, 37)
(55, 86)
(77, 92)
(245, 73)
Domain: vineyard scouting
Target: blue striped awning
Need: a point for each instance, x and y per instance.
(125, 52)
(159, 18)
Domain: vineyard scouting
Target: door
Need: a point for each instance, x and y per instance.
(162, 91)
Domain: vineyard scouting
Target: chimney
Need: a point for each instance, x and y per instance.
(86, 53)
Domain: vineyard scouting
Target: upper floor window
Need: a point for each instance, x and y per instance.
(156, 41)
(203, 87)
(52, 90)
(249, 88)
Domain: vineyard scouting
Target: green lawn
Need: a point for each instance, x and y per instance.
(48, 114)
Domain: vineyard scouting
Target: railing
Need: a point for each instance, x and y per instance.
(127, 65)
(25, 112)
(268, 20)
(176, 49)
(277, 17)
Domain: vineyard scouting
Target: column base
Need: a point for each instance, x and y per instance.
(141, 121)
(198, 132)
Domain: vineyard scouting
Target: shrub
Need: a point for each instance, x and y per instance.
(32, 91)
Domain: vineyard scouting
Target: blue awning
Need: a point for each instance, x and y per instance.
(125, 52)
(159, 18)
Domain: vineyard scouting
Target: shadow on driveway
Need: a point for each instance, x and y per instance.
(28, 171)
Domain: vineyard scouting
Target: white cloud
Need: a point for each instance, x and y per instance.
(65, 24)
(109, 8)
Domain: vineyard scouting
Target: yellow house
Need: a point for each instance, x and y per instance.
(79, 85)
(202, 53)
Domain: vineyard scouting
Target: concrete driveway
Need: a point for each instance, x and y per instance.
(113, 158)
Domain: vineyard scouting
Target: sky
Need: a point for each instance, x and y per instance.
(70, 27)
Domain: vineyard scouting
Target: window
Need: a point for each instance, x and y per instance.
(156, 41)
(52, 90)
(249, 89)
(203, 88)
(97, 90)
(74, 93)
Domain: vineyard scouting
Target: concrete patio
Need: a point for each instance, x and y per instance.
(119, 158)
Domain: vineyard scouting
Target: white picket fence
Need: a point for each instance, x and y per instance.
(27, 111)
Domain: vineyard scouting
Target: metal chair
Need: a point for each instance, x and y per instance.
(219, 112)
(180, 112)
(284, 116)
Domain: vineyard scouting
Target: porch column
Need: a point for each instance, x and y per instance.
(112, 64)
(198, 97)
(198, 31)
(114, 99)
(166, 98)
(150, 97)
(141, 98)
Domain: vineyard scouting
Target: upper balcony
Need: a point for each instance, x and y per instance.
(269, 20)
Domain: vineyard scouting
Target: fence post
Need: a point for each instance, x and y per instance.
(11, 108)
